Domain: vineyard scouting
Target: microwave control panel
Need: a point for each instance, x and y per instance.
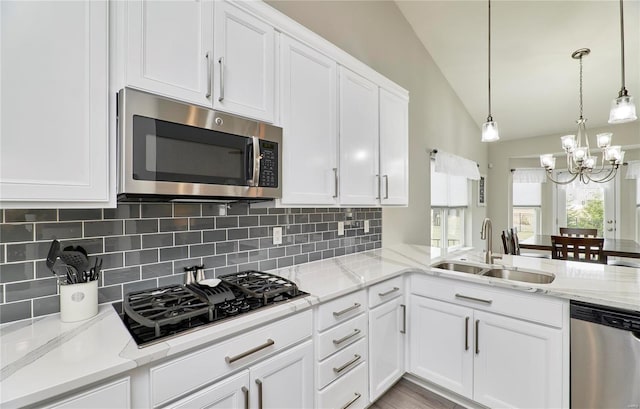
(268, 164)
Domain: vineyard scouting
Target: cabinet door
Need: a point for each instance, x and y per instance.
(284, 381)
(244, 58)
(170, 48)
(517, 364)
(358, 140)
(309, 111)
(228, 394)
(54, 147)
(114, 395)
(386, 346)
(441, 344)
(394, 149)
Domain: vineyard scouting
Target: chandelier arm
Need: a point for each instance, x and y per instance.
(612, 174)
(575, 175)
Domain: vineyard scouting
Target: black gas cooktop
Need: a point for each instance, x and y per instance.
(155, 315)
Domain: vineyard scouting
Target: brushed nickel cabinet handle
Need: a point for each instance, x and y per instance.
(466, 334)
(335, 179)
(346, 310)
(221, 62)
(393, 290)
(347, 364)
(346, 337)
(208, 94)
(259, 382)
(466, 297)
(379, 188)
(477, 344)
(386, 186)
(352, 401)
(245, 390)
(232, 359)
(404, 319)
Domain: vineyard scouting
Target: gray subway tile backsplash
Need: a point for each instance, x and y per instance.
(144, 245)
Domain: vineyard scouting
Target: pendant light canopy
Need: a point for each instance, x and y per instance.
(623, 108)
(489, 128)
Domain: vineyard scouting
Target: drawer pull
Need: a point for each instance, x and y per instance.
(466, 297)
(352, 401)
(348, 364)
(232, 359)
(346, 310)
(245, 390)
(346, 337)
(384, 294)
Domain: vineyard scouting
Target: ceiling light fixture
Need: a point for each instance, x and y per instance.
(489, 128)
(580, 163)
(623, 109)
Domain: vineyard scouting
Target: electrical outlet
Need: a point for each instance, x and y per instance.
(340, 228)
(366, 226)
(277, 235)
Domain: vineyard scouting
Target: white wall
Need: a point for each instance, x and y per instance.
(504, 155)
(378, 34)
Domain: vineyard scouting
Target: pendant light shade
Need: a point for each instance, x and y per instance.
(489, 128)
(623, 108)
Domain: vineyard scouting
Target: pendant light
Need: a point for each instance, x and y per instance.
(623, 108)
(489, 128)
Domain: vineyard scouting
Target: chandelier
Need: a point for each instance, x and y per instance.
(581, 164)
(490, 128)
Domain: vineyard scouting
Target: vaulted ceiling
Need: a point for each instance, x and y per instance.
(534, 80)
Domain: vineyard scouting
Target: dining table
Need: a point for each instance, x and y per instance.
(611, 248)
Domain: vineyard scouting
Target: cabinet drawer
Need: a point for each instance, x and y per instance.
(341, 363)
(385, 291)
(340, 336)
(350, 388)
(341, 309)
(536, 308)
(202, 367)
(114, 395)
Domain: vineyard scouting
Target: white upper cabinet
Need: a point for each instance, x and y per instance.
(309, 111)
(54, 104)
(170, 48)
(394, 149)
(244, 55)
(358, 171)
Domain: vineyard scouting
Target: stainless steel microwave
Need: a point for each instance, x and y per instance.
(169, 150)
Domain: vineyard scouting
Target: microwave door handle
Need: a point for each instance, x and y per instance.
(257, 156)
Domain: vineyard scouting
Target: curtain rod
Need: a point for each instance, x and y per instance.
(434, 152)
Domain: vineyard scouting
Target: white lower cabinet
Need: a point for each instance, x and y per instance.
(386, 346)
(112, 395)
(471, 348)
(230, 393)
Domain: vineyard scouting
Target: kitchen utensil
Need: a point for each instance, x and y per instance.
(52, 257)
(76, 259)
(210, 282)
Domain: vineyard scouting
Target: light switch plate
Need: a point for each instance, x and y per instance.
(340, 228)
(366, 226)
(277, 235)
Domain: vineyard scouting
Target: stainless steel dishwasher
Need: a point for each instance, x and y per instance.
(605, 357)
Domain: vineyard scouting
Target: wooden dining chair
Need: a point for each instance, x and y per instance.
(515, 245)
(578, 232)
(587, 249)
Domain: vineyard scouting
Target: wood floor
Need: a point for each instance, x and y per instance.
(406, 395)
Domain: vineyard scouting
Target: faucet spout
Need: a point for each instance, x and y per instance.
(486, 234)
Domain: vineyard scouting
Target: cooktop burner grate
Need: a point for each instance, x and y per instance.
(261, 285)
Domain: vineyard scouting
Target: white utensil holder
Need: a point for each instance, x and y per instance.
(78, 301)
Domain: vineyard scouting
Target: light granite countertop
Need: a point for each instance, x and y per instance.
(44, 357)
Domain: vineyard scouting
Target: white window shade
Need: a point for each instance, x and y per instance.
(529, 176)
(638, 191)
(447, 190)
(527, 194)
(633, 170)
(454, 165)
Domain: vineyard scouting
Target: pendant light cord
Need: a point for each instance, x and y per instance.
(581, 104)
(622, 45)
(489, 60)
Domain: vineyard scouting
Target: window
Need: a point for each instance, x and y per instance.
(527, 201)
(449, 200)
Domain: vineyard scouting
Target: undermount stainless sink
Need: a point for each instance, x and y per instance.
(504, 273)
(517, 275)
(461, 268)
